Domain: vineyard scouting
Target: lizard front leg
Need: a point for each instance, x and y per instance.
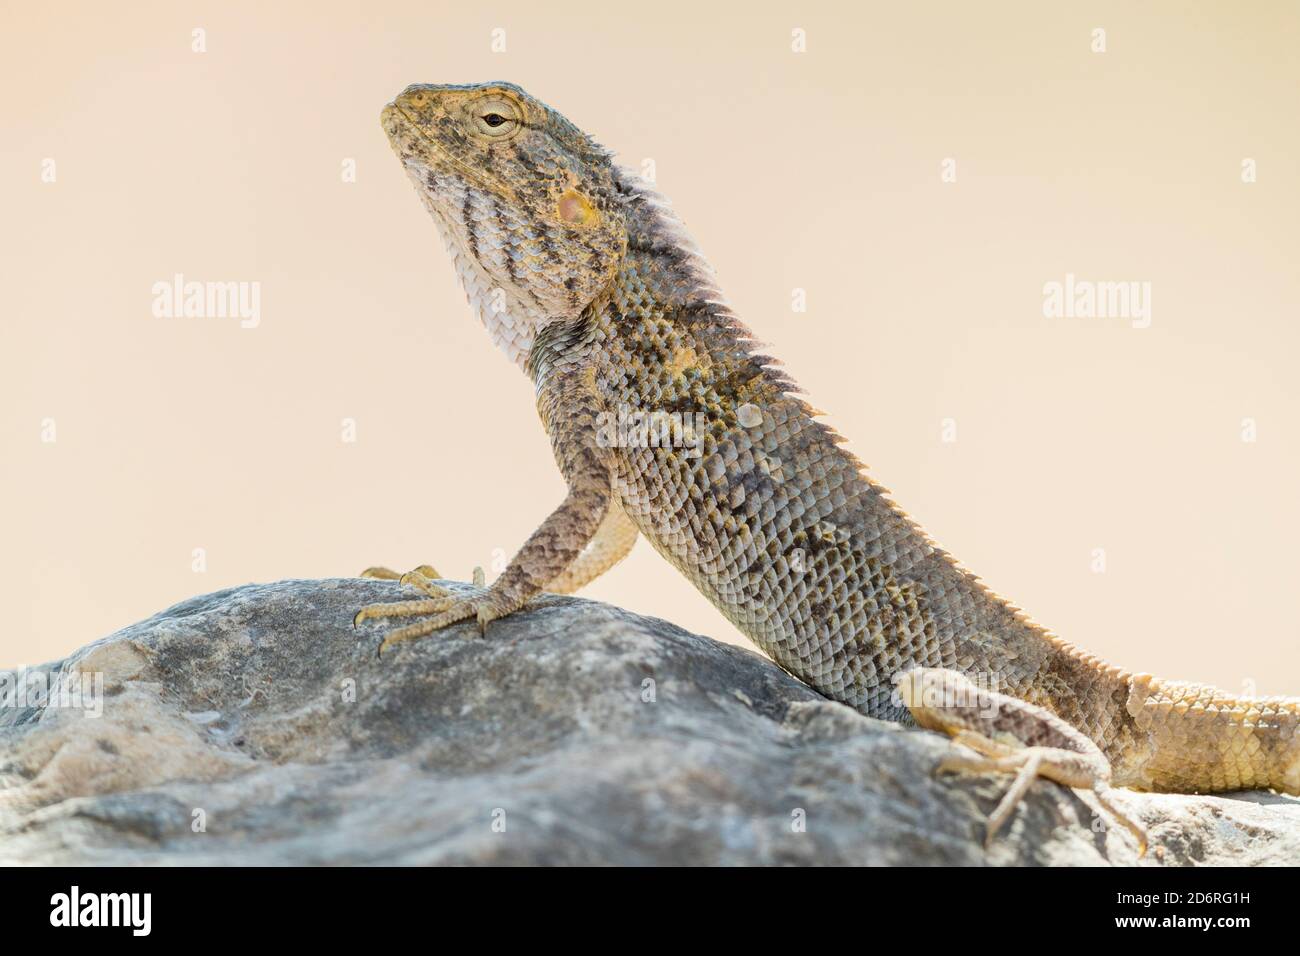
(610, 545)
(569, 408)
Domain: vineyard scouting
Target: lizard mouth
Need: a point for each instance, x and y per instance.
(405, 131)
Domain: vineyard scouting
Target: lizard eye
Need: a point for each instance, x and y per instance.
(495, 117)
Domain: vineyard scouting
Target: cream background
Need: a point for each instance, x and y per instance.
(818, 171)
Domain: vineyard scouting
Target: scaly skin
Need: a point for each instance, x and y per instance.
(585, 279)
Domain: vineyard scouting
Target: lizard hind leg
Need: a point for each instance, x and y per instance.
(1065, 767)
(1010, 736)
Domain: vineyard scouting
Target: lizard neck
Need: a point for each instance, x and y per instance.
(660, 267)
(511, 322)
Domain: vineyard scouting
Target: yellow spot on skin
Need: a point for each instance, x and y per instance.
(576, 209)
(682, 359)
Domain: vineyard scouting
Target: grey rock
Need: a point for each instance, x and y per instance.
(255, 726)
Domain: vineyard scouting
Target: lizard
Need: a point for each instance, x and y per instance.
(586, 278)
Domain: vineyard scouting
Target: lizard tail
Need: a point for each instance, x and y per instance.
(1192, 737)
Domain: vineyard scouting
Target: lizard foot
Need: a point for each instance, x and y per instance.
(440, 605)
(386, 574)
(1024, 763)
(1062, 766)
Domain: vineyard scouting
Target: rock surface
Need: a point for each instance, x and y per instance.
(254, 726)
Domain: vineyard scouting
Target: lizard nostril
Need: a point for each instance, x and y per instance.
(414, 95)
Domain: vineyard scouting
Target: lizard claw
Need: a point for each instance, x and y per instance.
(440, 607)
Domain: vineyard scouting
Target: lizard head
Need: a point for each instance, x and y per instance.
(527, 203)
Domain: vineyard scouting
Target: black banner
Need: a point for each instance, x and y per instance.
(922, 906)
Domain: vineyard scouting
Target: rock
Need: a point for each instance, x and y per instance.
(254, 726)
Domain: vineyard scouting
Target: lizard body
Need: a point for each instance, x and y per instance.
(586, 279)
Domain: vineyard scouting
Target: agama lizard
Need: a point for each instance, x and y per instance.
(587, 280)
